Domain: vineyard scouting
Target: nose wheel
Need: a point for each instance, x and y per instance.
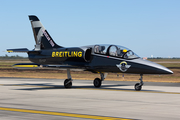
(138, 86)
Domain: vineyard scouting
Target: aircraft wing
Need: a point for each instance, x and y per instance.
(39, 66)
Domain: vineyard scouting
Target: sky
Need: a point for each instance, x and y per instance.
(148, 27)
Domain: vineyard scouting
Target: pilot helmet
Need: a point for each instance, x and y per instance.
(124, 50)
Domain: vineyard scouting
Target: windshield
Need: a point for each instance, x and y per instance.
(115, 50)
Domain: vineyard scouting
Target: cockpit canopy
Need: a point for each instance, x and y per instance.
(115, 50)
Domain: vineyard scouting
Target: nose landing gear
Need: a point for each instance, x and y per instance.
(138, 86)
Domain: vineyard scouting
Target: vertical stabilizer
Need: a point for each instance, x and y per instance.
(42, 37)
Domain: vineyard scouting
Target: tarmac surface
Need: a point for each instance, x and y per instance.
(47, 99)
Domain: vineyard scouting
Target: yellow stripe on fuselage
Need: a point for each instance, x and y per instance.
(23, 66)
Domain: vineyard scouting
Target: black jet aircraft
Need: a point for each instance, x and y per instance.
(99, 58)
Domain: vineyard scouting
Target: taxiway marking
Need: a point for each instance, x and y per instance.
(62, 114)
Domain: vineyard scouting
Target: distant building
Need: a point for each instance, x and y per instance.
(144, 58)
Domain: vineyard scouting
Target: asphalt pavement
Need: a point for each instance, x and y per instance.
(47, 99)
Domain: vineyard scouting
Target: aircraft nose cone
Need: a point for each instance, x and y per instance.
(170, 72)
(149, 67)
(161, 69)
(165, 70)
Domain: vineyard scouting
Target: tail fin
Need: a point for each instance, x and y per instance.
(42, 38)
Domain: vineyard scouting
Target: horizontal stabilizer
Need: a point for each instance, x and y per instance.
(18, 50)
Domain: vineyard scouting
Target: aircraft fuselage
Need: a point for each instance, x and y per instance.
(86, 58)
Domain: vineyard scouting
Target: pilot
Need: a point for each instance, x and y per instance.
(102, 48)
(97, 49)
(118, 52)
(124, 55)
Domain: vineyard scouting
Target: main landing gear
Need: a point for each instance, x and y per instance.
(68, 82)
(97, 82)
(138, 86)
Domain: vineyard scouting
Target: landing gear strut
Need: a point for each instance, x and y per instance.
(138, 86)
(68, 82)
(97, 82)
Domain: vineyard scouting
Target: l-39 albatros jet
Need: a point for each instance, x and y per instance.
(99, 58)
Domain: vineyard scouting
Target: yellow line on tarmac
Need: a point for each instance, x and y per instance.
(62, 114)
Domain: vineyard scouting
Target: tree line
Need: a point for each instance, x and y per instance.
(12, 57)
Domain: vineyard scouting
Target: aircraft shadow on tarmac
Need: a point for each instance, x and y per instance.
(48, 86)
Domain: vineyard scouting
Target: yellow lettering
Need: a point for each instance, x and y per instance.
(53, 54)
(69, 54)
(80, 54)
(65, 53)
(57, 54)
(60, 54)
(75, 53)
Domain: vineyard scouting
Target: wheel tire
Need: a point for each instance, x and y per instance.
(67, 84)
(97, 82)
(137, 87)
